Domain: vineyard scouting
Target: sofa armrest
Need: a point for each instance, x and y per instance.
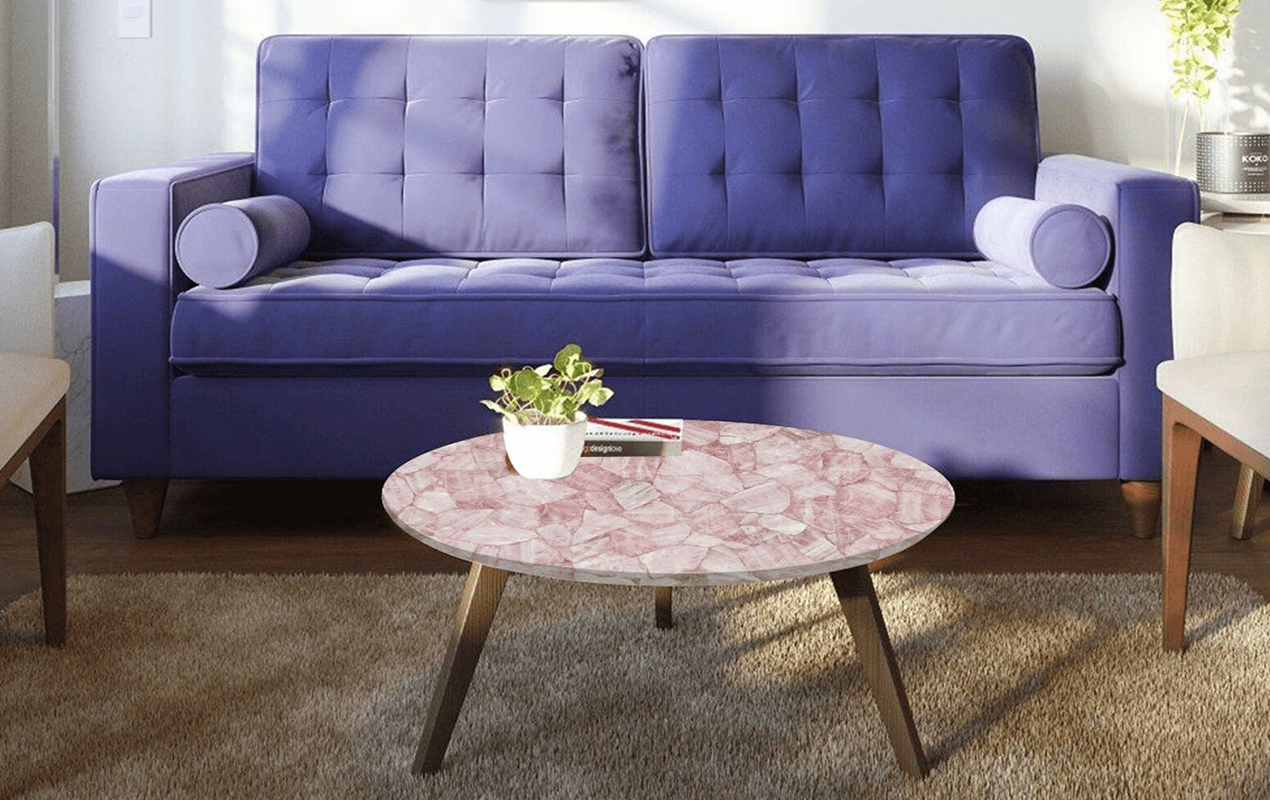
(1144, 208)
(133, 219)
(1221, 291)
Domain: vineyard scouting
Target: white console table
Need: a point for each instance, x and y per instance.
(1242, 213)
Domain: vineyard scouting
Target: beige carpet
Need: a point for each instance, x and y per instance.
(277, 687)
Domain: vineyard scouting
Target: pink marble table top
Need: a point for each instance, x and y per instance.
(743, 503)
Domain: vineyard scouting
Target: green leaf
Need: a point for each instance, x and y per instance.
(576, 369)
(567, 355)
(526, 384)
(1199, 31)
(543, 370)
(601, 396)
(588, 389)
(569, 409)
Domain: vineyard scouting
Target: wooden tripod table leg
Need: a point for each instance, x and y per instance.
(864, 617)
(472, 622)
(661, 607)
(1247, 498)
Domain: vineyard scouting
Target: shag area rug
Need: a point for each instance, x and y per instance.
(232, 686)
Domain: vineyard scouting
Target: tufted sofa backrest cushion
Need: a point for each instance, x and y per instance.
(869, 146)
(455, 145)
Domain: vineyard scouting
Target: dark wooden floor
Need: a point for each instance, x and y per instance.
(288, 527)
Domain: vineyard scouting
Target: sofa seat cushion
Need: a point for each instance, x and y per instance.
(684, 316)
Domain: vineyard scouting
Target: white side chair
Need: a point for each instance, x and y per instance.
(33, 390)
(1216, 389)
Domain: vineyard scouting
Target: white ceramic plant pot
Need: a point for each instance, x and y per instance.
(545, 452)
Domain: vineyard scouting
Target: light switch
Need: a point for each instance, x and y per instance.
(134, 19)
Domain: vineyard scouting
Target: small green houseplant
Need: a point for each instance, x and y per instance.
(1198, 32)
(543, 424)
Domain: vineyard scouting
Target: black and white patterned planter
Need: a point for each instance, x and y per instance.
(1233, 162)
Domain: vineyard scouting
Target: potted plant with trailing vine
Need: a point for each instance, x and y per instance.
(1198, 31)
(543, 424)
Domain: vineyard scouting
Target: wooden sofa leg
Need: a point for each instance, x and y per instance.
(145, 503)
(1142, 498)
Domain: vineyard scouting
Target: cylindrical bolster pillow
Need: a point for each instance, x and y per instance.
(1066, 245)
(224, 244)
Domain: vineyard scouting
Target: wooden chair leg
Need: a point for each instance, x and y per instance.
(48, 482)
(1142, 498)
(860, 605)
(662, 608)
(1247, 499)
(1181, 464)
(145, 503)
(472, 622)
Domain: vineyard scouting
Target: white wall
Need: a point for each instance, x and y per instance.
(1242, 98)
(5, 94)
(26, 154)
(5, 98)
(190, 89)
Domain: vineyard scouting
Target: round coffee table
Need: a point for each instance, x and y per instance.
(743, 503)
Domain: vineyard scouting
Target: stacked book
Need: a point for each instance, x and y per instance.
(633, 437)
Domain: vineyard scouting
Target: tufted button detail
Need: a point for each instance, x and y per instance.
(589, 276)
(895, 142)
(444, 145)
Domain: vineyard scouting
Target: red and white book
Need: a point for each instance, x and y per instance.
(633, 437)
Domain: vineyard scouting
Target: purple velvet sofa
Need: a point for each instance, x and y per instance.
(769, 228)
